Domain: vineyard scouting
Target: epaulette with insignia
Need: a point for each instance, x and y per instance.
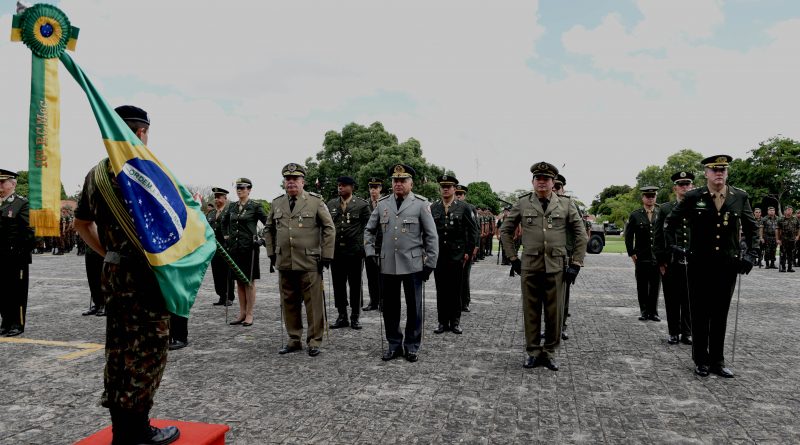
(421, 197)
(524, 195)
(383, 197)
(316, 195)
(279, 196)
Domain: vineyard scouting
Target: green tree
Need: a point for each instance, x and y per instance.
(481, 195)
(660, 176)
(771, 172)
(23, 188)
(599, 207)
(363, 152)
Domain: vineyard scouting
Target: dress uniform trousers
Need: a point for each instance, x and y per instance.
(676, 299)
(542, 293)
(373, 283)
(94, 268)
(299, 287)
(346, 270)
(412, 288)
(648, 284)
(465, 295)
(14, 299)
(178, 328)
(223, 278)
(711, 285)
(448, 276)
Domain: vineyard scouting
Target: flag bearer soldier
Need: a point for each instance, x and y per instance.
(137, 320)
(716, 214)
(16, 244)
(373, 274)
(639, 243)
(767, 232)
(408, 255)
(299, 236)
(454, 226)
(673, 267)
(461, 195)
(759, 222)
(223, 278)
(350, 215)
(787, 235)
(545, 219)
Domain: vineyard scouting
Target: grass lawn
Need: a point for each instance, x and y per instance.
(614, 244)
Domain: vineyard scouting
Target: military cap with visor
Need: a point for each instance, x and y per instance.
(7, 174)
(560, 179)
(292, 169)
(219, 191)
(401, 171)
(717, 161)
(243, 182)
(649, 190)
(375, 182)
(544, 169)
(682, 177)
(461, 189)
(131, 113)
(446, 180)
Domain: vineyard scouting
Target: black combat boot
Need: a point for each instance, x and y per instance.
(341, 322)
(354, 323)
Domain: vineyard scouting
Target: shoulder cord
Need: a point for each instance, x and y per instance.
(114, 204)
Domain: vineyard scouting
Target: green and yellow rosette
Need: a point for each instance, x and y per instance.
(47, 32)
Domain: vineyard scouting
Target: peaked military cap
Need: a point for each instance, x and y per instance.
(7, 174)
(375, 182)
(292, 169)
(682, 176)
(243, 181)
(717, 161)
(346, 180)
(649, 190)
(401, 171)
(771, 208)
(219, 191)
(544, 169)
(461, 188)
(131, 113)
(560, 178)
(447, 180)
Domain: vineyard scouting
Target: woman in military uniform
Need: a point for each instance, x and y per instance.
(242, 241)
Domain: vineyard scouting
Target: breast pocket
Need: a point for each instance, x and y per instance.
(307, 219)
(530, 218)
(411, 225)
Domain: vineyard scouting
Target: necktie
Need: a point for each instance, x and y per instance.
(291, 204)
(649, 215)
(399, 202)
(544, 203)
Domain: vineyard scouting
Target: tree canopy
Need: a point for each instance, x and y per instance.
(771, 174)
(480, 194)
(365, 152)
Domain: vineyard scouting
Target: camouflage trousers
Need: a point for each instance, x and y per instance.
(137, 338)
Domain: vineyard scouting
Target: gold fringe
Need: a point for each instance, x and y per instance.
(46, 222)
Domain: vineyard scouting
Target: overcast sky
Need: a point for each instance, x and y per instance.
(605, 88)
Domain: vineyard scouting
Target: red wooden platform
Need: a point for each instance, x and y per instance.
(192, 433)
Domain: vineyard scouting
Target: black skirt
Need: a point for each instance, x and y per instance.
(247, 260)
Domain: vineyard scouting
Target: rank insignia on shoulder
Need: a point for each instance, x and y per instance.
(316, 195)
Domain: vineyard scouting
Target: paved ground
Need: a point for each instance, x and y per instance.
(619, 381)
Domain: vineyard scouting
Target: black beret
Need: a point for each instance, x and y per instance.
(131, 113)
(346, 180)
(401, 171)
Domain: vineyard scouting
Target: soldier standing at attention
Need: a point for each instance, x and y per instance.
(716, 214)
(16, 243)
(673, 267)
(373, 278)
(461, 195)
(757, 217)
(797, 244)
(787, 235)
(137, 320)
(300, 235)
(767, 232)
(240, 224)
(350, 215)
(545, 219)
(454, 226)
(408, 255)
(223, 278)
(639, 243)
(558, 189)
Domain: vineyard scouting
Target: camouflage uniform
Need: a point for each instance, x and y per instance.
(769, 224)
(788, 229)
(137, 326)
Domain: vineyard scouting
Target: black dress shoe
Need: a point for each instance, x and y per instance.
(177, 344)
(14, 331)
(101, 312)
(3, 331)
(549, 363)
(92, 310)
(643, 317)
(218, 303)
(530, 362)
(686, 339)
(228, 302)
(341, 322)
(412, 357)
(672, 340)
(244, 323)
(313, 351)
(722, 371)
(465, 309)
(457, 329)
(289, 349)
(161, 436)
(355, 324)
(369, 308)
(654, 317)
(391, 355)
(233, 323)
(790, 270)
(701, 370)
(439, 329)
(564, 335)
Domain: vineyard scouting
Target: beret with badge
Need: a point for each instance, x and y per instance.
(131, 113)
